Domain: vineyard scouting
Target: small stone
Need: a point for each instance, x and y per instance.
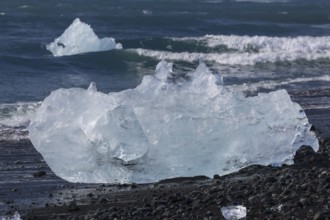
(157, 203)
(320, 216)
(305, 154)
(146, 205)
(90, 194)
(165, 214)
(114, 215)
(160, 208)
(252, 199)
(114, 209)
(73, 207)
(303, 202)
(179, 211)
(134, 185)
(209, 213)
(271, 179)
(103, 200)
(39, 173)
(216, 176)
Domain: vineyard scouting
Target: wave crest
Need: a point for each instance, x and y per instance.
(246, 50)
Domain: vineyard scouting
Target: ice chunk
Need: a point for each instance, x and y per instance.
(78, 38)
(233, 212)
(166, 128)
(119, 132)
(16, 216)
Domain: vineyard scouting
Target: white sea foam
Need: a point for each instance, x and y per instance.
(322, 26)
(17, 114)
(79, 38)
(166, 128)
(273, 84)
(246, 50)
(14, 119)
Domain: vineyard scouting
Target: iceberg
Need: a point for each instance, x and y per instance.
(79, 38)
(171, 125)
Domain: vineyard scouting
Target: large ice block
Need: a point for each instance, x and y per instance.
(168, 126)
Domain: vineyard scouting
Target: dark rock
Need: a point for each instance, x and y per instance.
(209, 213)
(146, 205)
(134, 185)
(304, 201)
(166, 214)
(103, 200)
(90, 194)
(305, 154)
(253, 199)
(73, 207)
(216, 176)
(157, 203)
(271, 179)
(114, 215)
(312, 128)
(144, 210)
(114, 209)
(321, 216)
(39, 174)
(160, 208)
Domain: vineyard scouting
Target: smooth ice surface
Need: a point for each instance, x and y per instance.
(169, 126)
(79, 38)
(233, 212)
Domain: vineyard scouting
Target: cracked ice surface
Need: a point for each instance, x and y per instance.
(168, 126)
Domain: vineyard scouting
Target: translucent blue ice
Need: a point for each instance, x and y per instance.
(168, 126)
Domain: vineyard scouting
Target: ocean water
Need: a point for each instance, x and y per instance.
(257, 45)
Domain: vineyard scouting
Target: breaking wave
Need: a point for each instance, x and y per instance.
(273, 84)
(246, 50)
(14, 119)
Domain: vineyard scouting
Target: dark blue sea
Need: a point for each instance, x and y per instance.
(257, 45)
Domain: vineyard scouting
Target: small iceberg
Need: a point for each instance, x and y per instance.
(79, 38)
(233, 212)
(171, 125)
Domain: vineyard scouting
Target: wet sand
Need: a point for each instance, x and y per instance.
(299, 191)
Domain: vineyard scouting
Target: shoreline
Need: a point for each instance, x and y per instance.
(298, 191)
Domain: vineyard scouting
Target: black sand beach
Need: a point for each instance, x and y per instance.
(299, 191)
